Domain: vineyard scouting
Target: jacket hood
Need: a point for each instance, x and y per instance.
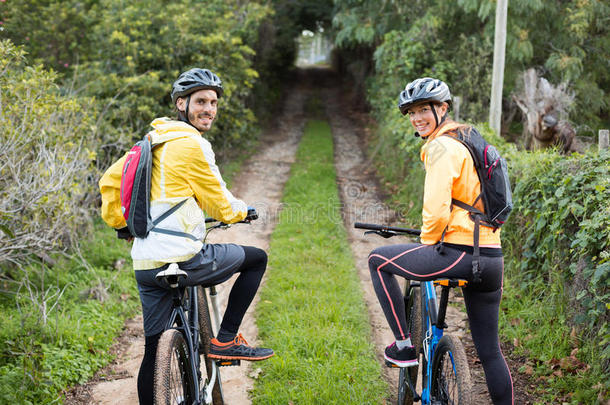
(166, 129)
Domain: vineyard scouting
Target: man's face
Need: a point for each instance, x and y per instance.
(202, 108)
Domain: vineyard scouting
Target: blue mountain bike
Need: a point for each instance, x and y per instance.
(445, 375)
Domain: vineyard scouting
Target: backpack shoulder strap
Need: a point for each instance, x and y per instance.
(168, 231)
(468, 207)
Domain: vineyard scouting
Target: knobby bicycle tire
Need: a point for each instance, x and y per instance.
(451, 382)
(205, 335)
(413, 318)
(174, 382)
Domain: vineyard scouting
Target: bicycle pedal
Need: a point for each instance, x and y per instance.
(227, 363)
(390, 364)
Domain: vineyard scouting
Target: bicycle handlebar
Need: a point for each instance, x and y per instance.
(386, 229)
(250, 216)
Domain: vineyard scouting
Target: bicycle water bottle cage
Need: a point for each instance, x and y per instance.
(171, 275)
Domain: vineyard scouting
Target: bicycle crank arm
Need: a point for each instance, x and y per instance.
(412, 388)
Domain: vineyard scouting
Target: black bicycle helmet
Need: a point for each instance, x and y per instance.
(423, 89)
(193, 80)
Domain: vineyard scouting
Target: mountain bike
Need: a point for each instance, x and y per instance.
(178, 376)
(445, 375)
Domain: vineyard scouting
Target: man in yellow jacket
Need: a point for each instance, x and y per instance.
(447, 240)
(184, 169)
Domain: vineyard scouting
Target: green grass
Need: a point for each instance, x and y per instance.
(38, 358)
(311, 310)
(565, 367)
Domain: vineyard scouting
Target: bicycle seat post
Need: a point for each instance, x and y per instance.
(442, 308)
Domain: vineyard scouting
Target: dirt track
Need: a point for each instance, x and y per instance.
(260, 183)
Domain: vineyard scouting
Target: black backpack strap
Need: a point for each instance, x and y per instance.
(467, 207)
(167, 231)
(476, 256)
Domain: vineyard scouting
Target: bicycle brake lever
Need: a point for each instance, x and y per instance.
(384, 234)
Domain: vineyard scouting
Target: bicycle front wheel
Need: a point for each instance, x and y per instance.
(174, 380)
(413, 313)
(205, 335)
(451, 382)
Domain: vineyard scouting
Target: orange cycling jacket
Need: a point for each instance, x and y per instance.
(450, 173)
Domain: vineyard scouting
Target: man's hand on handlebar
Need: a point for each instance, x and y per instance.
(252, 215)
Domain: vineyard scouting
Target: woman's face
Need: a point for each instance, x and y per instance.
(422, 118)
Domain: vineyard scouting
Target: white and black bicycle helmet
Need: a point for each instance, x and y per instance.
(194, 80)
(421, 90)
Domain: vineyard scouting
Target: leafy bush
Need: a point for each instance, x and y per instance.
(46, 144)
(560, 232)
(141, 48)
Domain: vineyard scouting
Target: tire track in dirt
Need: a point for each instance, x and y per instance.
(361, 202)
(260, 184)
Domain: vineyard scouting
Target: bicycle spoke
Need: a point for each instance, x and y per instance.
(447, 380)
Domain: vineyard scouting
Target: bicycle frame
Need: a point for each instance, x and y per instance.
(431, 335)
(188, 325)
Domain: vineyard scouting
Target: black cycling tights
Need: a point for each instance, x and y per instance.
(482, 300)
(242, 293)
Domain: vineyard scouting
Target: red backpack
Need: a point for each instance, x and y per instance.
(135, 192)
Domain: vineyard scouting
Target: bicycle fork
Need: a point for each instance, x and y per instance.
(215, 309)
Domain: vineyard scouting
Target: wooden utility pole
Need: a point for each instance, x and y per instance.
(604, 139)
(497, 80)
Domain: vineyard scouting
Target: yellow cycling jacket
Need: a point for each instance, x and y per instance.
(184, 167)
(450, 173)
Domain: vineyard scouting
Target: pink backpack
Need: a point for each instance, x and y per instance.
(135, 193)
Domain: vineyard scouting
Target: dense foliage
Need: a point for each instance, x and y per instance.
(557, 243)
(567, 41)
(47, 146)
(84, 80)
(128, 55)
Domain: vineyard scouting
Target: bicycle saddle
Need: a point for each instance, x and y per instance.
(172, 274)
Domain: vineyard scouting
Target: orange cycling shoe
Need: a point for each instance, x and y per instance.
(237, 349)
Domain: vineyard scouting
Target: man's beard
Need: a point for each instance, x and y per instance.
(193, 118)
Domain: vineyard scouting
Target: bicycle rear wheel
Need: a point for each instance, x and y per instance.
(205, 335)
(174, 380)
(413, 314)
(451, 382)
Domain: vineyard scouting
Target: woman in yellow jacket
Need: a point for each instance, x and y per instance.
(450, 174)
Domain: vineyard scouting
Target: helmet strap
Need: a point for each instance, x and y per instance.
(435, 116)
(184, 116)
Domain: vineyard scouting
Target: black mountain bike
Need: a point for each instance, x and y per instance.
(185, 343)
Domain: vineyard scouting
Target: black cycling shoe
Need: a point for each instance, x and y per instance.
(237, 349)
(400, 358)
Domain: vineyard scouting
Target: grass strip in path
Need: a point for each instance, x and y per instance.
(311, 309)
